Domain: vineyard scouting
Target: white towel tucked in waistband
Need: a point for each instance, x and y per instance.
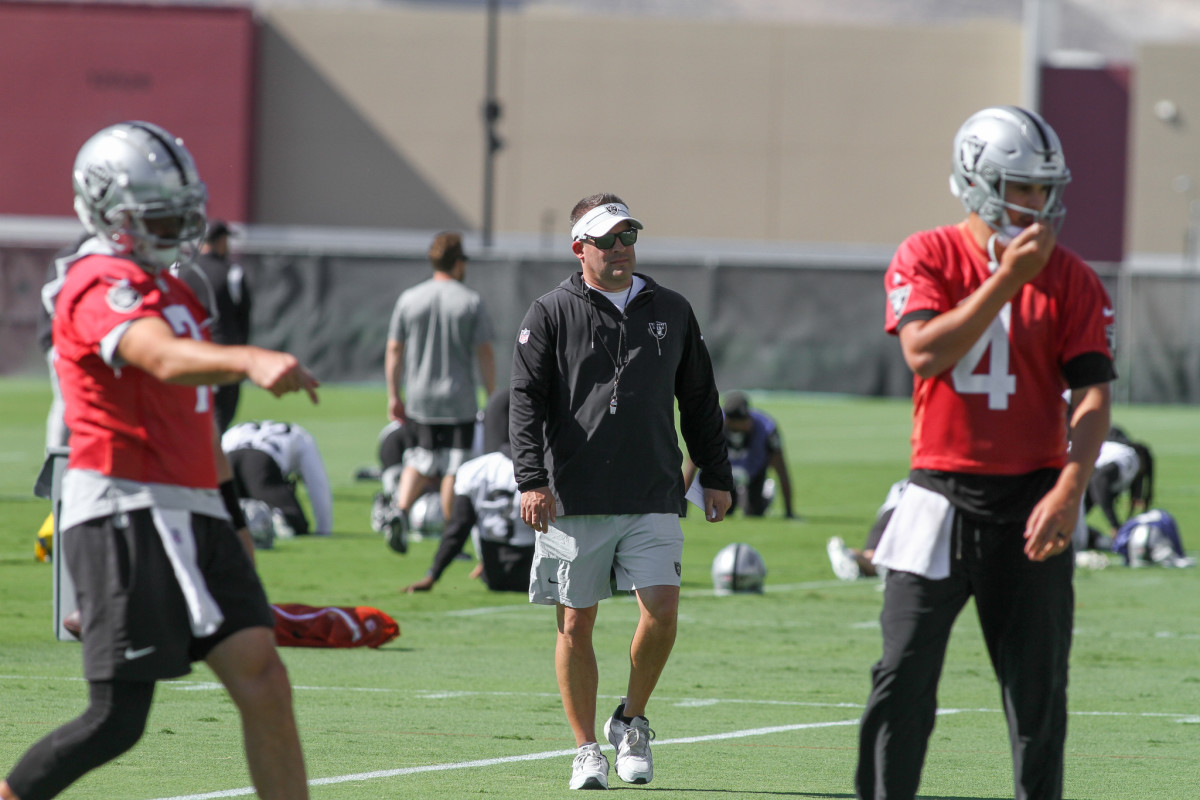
(917, 537)
(175, 530)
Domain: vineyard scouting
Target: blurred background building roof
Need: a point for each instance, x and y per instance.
(1110, 29)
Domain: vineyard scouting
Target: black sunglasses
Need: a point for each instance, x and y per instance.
(606, 241)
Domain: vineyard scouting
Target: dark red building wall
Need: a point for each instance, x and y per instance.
(1089, 108)
(67, 70)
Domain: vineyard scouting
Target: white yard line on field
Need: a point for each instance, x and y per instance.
(772, 588)
(488, 762)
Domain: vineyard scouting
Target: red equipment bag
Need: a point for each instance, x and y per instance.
(298, 625)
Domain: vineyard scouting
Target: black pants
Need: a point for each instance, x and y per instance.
(255, 474)
(1026, 610)
(1102, 491)
(750, 497)
(505, 568)
(225, 403)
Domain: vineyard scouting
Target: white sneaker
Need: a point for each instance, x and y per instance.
(589, 770)
(282, 529)
(632, 742)
(1091, 559)
(842, 560)
(380, 507)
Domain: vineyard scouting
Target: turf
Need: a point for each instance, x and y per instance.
(761, 697)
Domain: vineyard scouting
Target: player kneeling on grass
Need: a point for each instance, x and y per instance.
(141, 486)
(487, 508)
(268, 458)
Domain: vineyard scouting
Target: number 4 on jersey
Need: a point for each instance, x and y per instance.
(996, 383)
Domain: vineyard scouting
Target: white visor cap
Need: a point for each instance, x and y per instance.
(602, 219)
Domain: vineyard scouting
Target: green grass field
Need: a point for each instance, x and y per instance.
(761, 698)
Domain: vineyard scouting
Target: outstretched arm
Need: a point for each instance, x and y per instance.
(151, 345)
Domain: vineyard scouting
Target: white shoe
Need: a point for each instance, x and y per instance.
(842, 560)
(589, 770)
(380, 511)
(1091, 559)
(632, 742)
(282, 529)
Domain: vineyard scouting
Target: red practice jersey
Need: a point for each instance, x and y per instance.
(125, 423)
(1000, 410)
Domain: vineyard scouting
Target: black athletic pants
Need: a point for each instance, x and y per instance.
(1102, 492)
(751, 498)
(225, 403)
(1026, 610)
(255, 474)
(113, 723)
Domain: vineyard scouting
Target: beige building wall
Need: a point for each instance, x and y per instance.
(1164, 162)
(723, 130)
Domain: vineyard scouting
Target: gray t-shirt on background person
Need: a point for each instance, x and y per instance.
(440, 323)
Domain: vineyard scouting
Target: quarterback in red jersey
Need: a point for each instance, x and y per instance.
(148, 516)
(965, 419)
(999, 324)
(147, 430)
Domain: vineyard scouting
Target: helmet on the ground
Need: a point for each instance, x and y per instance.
(1152, 538)
(137, 187)
(259, 522)
(738, 568)
(426, 516)
(1002, 145)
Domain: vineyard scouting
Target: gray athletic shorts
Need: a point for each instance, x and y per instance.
(135, 620)
(432, 463)
(579, 559)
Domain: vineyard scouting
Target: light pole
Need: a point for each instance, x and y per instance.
(1040, 21)
(491, 115)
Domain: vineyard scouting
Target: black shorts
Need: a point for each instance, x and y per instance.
(397, 438)
(458, 436)
(135, 619)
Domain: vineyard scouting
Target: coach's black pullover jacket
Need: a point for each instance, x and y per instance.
(563, 434)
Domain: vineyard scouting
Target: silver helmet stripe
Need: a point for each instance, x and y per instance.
(168, 145)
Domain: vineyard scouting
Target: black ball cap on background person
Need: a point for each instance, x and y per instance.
(737, 406)
(216, 229)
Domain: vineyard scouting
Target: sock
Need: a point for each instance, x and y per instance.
(620, 715)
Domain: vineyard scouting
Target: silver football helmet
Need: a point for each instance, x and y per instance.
(136, 186)
(426, 518)
(1001, 145)
(259, 522)
(738, 568)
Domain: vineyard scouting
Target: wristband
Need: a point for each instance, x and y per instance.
(229, 495)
